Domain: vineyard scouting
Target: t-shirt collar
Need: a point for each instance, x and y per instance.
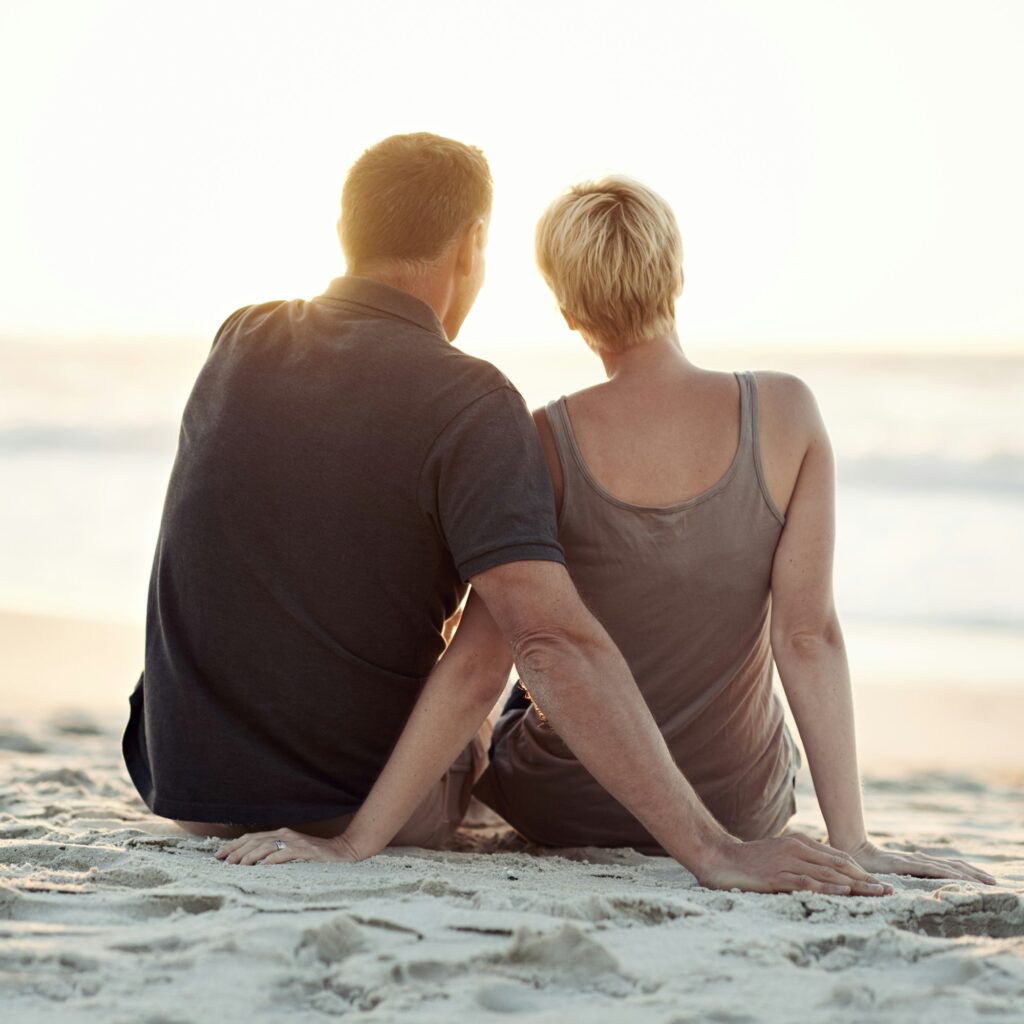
(391, 301)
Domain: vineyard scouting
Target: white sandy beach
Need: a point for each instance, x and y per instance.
(108, 914)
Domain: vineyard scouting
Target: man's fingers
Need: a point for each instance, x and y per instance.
(819, 853)
(872, 889)
(804, 882)
(793, 882)
(858, 887)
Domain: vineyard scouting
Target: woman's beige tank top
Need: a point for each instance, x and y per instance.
(684, 591)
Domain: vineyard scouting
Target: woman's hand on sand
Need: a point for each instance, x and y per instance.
(790, 863)
(919, 865)
(263, 848)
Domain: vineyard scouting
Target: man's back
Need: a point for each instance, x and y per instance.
(340, 474)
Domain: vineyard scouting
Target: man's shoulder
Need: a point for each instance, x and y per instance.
(483, 375)
(252, 315)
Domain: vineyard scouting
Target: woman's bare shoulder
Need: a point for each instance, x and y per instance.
(787, 404)
(790, 428)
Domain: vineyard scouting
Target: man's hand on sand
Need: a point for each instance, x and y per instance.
(789, 864)
(919, 865)
(284, 845)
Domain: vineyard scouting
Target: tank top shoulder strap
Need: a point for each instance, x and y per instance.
(751, 431)
(748, 419)
(565, 445)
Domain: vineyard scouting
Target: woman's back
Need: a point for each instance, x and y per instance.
(670, 533)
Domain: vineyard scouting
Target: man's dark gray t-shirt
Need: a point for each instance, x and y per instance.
(342, 471)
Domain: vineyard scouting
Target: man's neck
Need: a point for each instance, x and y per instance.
(430, 287)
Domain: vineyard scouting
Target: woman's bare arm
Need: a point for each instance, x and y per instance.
(455, 700)
(807, 642)
(575, 672)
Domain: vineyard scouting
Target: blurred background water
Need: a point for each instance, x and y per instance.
(930, 551)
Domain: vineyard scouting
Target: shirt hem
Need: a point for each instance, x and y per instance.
(139, 772)
(511, 553)
(244, 814)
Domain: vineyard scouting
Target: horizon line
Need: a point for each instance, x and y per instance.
(821, 345)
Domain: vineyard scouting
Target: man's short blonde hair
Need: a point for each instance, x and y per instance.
(611, 252)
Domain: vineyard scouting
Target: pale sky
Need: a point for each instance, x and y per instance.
(842, 171)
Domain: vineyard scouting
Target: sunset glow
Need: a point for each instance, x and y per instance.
(842, 172)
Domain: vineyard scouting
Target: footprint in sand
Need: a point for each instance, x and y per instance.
(165, 904)
(135, 878)
(59, 856)
(567, 951)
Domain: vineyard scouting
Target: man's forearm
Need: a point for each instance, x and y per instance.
(585, 689)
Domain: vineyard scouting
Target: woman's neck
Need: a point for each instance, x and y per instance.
(651, 359)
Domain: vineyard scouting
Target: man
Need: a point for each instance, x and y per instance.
(343, 474)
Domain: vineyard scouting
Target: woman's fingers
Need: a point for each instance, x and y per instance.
(972, 872)
(250, 848)
(285, 856)
(840, 861)
(257, 853)
(260, 848)
(263, 848)
(252, 852)
(244, 841)
(924, 866)
(921, 865)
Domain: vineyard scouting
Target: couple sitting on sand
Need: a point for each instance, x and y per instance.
(641, 551)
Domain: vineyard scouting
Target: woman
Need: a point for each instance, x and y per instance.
(696, 512)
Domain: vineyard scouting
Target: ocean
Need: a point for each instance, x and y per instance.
(930, 546)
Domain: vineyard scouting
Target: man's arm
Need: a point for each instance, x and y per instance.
(577, 675)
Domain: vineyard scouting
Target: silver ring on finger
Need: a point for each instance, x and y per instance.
(280, 844)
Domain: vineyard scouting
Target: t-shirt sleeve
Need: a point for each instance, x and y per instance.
(486, 486)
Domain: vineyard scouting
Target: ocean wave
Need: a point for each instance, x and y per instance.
(1001, 472)
(1009, 623)
(156, 438)
(998, 472)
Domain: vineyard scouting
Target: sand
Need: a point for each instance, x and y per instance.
(107, 914)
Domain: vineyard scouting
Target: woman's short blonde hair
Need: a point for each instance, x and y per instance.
(611, 252)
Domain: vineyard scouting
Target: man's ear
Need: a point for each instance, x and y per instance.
(570, 320)
(471, 247)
